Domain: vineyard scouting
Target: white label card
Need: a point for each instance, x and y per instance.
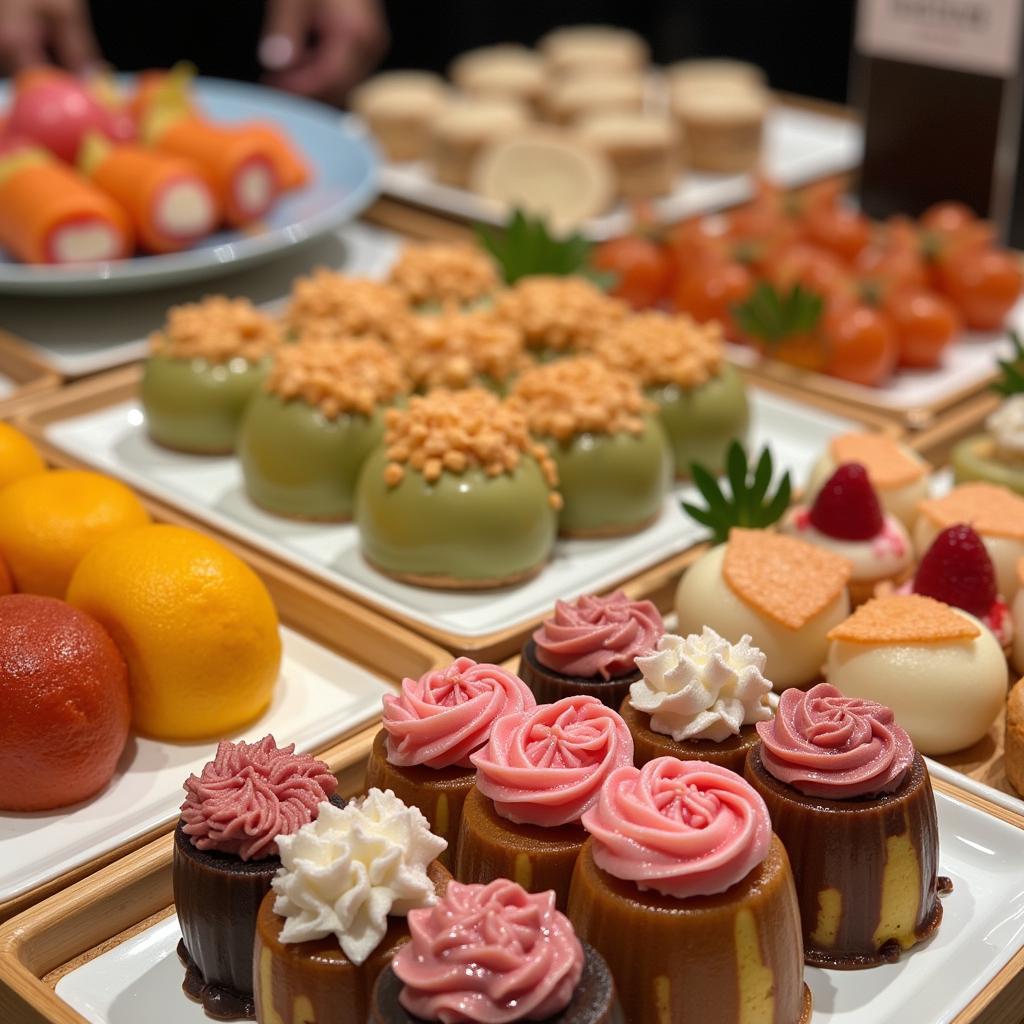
(981, 36)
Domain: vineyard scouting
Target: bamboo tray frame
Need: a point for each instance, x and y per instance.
(338, 623)
(38, 948)
(30, 374)
(655, 583)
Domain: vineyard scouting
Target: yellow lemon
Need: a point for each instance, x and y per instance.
(50, 520)
(195, 624)
(18, 456)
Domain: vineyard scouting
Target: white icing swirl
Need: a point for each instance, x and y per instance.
(1006, 425)
(702, 687)
(351, 867)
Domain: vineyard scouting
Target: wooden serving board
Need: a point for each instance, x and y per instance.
(26, 371)
(937, 442)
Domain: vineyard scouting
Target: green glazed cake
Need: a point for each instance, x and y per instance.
(996, 456)
(306, 434)
(458, 495)
(204, 366)
(440, 275)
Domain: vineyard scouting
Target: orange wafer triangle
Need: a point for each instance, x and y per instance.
(990, 509)
(888, 465)
(904, 619)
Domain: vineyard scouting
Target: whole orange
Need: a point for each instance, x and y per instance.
(64, 691)
(49, 521)
(195, 624)
(18, 456)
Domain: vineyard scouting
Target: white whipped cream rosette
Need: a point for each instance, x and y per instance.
(702, 687)
(351, 867)
(1006, 425)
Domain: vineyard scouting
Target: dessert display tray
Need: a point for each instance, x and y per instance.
(100, 423)
(339, 659)
(22, 375)
(104, 952)
(801, 145)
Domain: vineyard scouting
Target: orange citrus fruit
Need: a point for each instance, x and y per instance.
(48, 522)
(64, 691)
(195, 624)
(18, 456)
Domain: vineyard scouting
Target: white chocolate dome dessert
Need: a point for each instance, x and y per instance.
(782, 592)
(942, 673)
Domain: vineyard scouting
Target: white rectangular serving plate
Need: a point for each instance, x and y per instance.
(7, 386)
(210, 488)
(982, 928)
(799, 146)
(320, 696)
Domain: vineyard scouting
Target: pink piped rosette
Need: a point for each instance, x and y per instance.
(546, 766)
(489, 954)
(827, 745)
(249, 794)
(681, 828)
(439, 719)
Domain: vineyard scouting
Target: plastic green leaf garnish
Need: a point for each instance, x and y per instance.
(773, 315)
(748, 501)
(1011, 371)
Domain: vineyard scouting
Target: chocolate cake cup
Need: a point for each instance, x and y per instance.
(549, 686)
(594, 1001)
(315, 981)
(728, 958)
(217, 897)
(537, 858)
(865, 868)
(648, 744)
(438, 792)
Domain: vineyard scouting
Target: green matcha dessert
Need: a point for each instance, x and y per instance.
(701, 399)
(459, 495)
(307, 432)
(443, 275)
(204, 366)
(614, 462)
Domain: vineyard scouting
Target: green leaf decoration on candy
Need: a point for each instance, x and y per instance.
(1011, 371)
(773, 315)
(749, 501)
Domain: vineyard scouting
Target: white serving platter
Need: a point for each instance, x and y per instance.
(6, 386)
(800, 146)
(320, 696)
(982, 928)
(113, 439)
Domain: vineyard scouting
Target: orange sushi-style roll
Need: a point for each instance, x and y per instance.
(291, 167)
(51, 214)
(167, 197)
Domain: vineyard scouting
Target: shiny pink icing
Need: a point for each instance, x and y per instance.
(251, 793)
(546, 766)
(489, 954)
(828, 745)
(598, 636)
(439, 719)
(681, 828)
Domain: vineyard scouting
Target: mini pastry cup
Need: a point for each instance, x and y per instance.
(648, 744)
(549, 686)
(975, 458)
(195, 406)
(730, 957)
(299, 463)
(612, 484)
(439, 793)
(536, 857)
(701, 423)
(464, 531)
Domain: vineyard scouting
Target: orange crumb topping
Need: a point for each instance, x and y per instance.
(443, 272)
(661, 349)
(580, 396)
(992, 510)
(331, 304)
(354, 375)
(458, 430)
(904, 619)
(888, 465)
(454, 350)
(216, 329)
(784, 579)
(560, 313)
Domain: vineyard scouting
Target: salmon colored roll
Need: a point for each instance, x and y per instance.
(167, 197)
(239, 168)
(158, 88)
(51, 214)
(292, 169)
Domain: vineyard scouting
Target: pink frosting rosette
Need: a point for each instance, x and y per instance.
(249, 794)
(439, 719)
(828, 745)
(546, 766)
(681, 828)
(489, 954)
(598, 636)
